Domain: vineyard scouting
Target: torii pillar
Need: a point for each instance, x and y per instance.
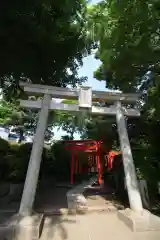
(31, 181)
(129, 168)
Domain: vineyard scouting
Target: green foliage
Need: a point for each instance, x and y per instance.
(24, 151)
(18, 166)
(42, 41)
(128, 39)
(62, 161)
(11, 114)
(4, 147)
(66, 137)
(18, 161)
(101, 128)
(128, 46)
(23, 120)
(14, 161)
(68, 121)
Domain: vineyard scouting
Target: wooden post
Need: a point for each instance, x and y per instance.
(31, 181)
(98, 162)
(129, 169)
(76, 160)
(99, 170)
(79, 167)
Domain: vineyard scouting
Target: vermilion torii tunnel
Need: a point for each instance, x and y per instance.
(95, 153)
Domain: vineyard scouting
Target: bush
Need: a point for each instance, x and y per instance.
(24, 151)
(62, 161)
(4, 167)
(13, 149)
(4, 145)
(144, 162)
(47, 165)
(17, 169)
(20, 160)
(56, 162)
(17, 158)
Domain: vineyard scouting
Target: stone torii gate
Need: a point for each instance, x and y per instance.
(86, 96)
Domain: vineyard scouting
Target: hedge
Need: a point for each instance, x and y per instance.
(56, 162)
(14, 159)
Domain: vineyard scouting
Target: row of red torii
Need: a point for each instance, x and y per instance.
(86, 98)
(93, 149)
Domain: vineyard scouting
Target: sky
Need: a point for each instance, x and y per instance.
(95, 1)
(90, 64)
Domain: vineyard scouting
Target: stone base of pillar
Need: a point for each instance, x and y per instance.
(140, 222)
(18, 228)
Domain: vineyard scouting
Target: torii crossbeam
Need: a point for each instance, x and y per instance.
(86, 97)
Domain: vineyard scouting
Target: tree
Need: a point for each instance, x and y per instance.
(68, 121)
(128, 36)
(23, 120)
(88, 127)
(42, 41)
(128, 46)
(101, 128)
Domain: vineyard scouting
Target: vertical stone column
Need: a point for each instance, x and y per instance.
(31, 181)
(129, 168)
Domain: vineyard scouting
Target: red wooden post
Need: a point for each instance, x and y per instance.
(72, 169)
(98, 168)
(99, 164)
(96, 157)
(95, 164)
(76, 160)
(79, 167)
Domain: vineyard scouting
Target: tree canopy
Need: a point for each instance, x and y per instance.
(128, 36)
(24, 121)
(127, 33)
(42, 41)
(68, 121)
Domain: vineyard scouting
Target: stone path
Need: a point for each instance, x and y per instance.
(50, 197)
(100, 197)
(91, 227)
(75, 196)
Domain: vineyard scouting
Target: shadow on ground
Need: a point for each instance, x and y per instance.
(54, 226)
(102, 196)
(49, 198)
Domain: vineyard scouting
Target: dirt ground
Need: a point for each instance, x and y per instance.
(46, 198)
(49, 198)
(102, 196)
(91, 227)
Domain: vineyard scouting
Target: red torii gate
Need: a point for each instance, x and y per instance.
(110, 158)
(88, 146)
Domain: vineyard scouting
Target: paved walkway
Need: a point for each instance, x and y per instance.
(95, 226)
